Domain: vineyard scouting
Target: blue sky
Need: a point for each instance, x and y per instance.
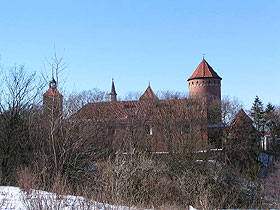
(137, 41)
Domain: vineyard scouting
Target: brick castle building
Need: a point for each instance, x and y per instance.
(151, 123)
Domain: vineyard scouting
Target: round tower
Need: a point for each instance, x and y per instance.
(52, 101)
(205, 82)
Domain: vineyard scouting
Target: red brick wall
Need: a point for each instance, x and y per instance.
(205, 88)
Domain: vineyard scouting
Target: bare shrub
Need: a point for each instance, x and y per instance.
(140, 180)
(26, 179)
(60, 185)
(56, 199)
(128, 180)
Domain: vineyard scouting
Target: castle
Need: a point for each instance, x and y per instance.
(164, 124)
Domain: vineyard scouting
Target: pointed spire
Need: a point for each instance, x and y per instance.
(113, 89)
(113, 94)
(149, 94)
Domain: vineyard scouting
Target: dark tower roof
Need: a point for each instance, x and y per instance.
(149, 94)
(113, 90)
(204, 70)
(52, 91)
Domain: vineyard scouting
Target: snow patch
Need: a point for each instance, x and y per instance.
(16, 199)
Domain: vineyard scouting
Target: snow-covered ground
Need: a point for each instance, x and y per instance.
(16, 199)
(13, 198)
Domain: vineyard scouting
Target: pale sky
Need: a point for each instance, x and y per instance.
(137, 41)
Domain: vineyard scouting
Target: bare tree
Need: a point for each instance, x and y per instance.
(75, 101)
(169, 94)
(132, 96)
(229, 108)
(19, 102)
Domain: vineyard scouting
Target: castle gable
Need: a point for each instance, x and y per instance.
(149, 95)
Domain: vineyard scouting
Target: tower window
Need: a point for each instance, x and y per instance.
(149, 130)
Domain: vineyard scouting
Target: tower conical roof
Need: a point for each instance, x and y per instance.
(204, 70)
(149, 94)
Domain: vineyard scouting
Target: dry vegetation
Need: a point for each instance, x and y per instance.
(78, 158)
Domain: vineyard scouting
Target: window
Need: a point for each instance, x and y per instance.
(112, 130)
(149, 130)
(185, 128)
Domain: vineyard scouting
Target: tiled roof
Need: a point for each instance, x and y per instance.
(149, 94)
(204, 70)
(52, 92)
(122, 111)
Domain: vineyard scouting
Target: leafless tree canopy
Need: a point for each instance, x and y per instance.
(229, 108)
(75, 101)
